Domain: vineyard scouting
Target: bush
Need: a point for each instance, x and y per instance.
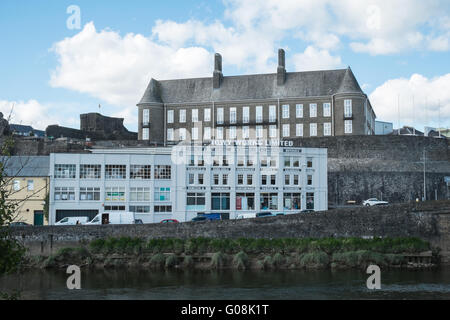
(171, 261)
(278, 260)
(267, 263)
(360, 258)
(188, 262)
(314, 260)
(218, 260)
(158, 261)
(240, 261)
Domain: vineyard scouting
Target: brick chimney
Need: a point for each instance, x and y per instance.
(217, 74)
(281, 70)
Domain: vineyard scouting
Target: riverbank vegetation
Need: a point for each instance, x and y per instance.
(241, 254)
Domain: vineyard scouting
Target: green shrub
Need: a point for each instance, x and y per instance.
(278, 260)
(218, 260)
(360, 258)
(171, 261)
(188, 262)
(157, 261)
(314, 260)
(240, 261)
(97, 245)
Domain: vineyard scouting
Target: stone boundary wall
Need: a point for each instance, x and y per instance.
(429, 221)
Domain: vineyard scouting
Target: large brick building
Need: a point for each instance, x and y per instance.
(281, 105)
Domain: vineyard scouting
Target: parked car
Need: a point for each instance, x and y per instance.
(113, 218)
(264, 214)
(199, 219)
(19, 224)
(138, 221)
(169, 221)
(71, 221)
(279, 213)
(246, 215)
(374, 202)
(307, 211)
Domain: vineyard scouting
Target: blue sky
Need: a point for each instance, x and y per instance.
(51, 74)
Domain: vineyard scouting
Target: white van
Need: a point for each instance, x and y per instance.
(246, 215)
(70, 221)
(113, 218)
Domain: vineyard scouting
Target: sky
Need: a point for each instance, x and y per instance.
(62, 58)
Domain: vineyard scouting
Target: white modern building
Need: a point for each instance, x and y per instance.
(182, 181)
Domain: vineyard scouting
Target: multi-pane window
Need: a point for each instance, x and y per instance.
(296, 180)
(272, 113)
(269, 201)
(299, 129)
(220, 201)
(115, 194)
(259, 131)
(249, 179)
(201, 178)
(162, 194)
(170, 136)
(194, 133)
(146, 117)
(207, 114)
(327, 109)
(287, 162)
(264, 179)
(296, 162)
(286, 130)
(309, 162)
(232, 133)
(287, 179)
(163, 172)
(291, 201)
(233, 115)
(64, 193)
(182, 134)
(65, 171)
(240, 179)
(139, 171)
(183, 115)
(313, 129)
(16, 185)
(245, 132)
(245, 201)
(162, 209)
(272, 131)
(348, 126)
(90, 171)
(145, 134)
(347, 108)
(309, 180)
(225, 179)
(273, 179)
(207, 133)
(285, 111)
(259, 114)
(245, 114)
(115, 171)
(216, 179)
(220, 115)
(30, 185)
(191, 178)
(219, 133)
(195, 201)
(140, 209)
(115, 208)
(194, 115)
(139, 194)
(310, 200)
(327, 129)
(170, 116)
(89, 194)
(313, 110)
(299, 110)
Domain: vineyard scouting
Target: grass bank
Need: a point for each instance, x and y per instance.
(244, 253)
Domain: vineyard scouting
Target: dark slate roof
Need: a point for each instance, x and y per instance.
(20, 128)
(252, 87)
(26, 166)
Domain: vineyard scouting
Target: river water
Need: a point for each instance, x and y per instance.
(228, 284)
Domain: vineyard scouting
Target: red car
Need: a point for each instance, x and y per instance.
(169, 221)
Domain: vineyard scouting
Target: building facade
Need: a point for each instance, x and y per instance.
(27, 180)
(281, 105)
(182, 181)
(382, 127)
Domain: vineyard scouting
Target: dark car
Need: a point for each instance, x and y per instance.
(138, 221)
(307, 211)
(199, 218)
(19, 224)
(169, 221)
(264, 214)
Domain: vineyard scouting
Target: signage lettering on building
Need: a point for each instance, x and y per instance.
(272, 143)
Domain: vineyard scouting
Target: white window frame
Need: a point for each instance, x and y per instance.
(194, 133)
(259, 132)
(299, 110)
(286, 130)
(348, 126)
(233, 115)
(272, 113)
(327, 129)
(259, 114)
(145, 117)
(145, 134)
(313, 129)
(194, 115)
(272, 131)
(182, 115)
(182, 134)
(220, 117)
(245, 132)
(246, 114)
(170, 116)
(207, 114)
(170, 134)
(219, 133)
(327, 109)
(232, 133)
(299, 129)
(348, 112)
(207, 133)
(285, 111)
(313, 110)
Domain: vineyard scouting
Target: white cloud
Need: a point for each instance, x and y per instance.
(33, 113)
(316, 59)
(431, 98)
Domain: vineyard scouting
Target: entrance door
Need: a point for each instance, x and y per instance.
(38, 218)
